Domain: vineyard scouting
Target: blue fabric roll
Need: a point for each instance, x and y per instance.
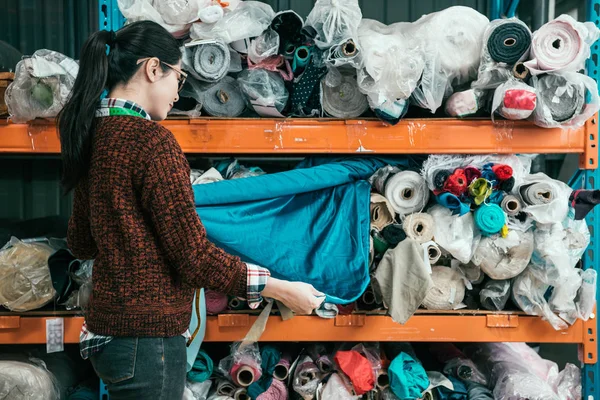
(496, 197)
(309, 224)
(490, 219)
(453, 203)
(408, 379)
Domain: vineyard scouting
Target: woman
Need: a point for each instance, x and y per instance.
(133, 211)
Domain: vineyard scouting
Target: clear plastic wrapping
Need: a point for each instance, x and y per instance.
(545, 199)
(174, 15)
(563, 296)
(192, 90)
(505, 42)
(27, 380)
(565, 100)
(586, 297)
(25, 281)
(264, 46)
(306, 378)
(568, 385)
(206, 60)
(455, 234)
(248, 20)
(42, 85)
(514, 100)
(265, 91)
(337, 388)
(243, 365)
(504, 258)
(334, 21)
(495, 294)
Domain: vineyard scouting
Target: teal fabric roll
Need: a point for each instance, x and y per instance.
(408, 378)
(202, 368)
(508, 42)
(490, 219)
(453, 203)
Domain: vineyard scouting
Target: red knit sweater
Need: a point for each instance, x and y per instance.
(135, 215)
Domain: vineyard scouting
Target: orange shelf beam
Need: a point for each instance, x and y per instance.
(351, 328)
(304, 136)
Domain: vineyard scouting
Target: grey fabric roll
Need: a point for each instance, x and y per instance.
(345, 100)
(211, 61)
(537, 193)
(511, 205)
(224, 99)
(563, 104)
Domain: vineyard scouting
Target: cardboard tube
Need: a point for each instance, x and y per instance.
(368, 297)
(520, 71)
(245, 376)
(383, 380)
(235, 304)
(349, 48)
(434, 253)
(281, 372)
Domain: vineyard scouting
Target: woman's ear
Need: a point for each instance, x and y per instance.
(153, 69)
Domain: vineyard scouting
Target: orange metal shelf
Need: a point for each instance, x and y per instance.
(503, 327)
(304, 136)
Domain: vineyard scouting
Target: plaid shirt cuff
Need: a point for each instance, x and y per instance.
(257, 279)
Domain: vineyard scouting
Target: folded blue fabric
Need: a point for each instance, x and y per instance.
(453, 203)
(309, 224)
(459, 392)
(408, 379)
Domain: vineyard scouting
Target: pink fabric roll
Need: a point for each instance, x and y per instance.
(275, 64)
(277, 391)
(245, 371)
(216, 302)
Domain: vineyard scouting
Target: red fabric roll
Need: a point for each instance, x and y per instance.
(456, 183)
(502, 171)
(358, 369)
(520, 99)
(472, 173)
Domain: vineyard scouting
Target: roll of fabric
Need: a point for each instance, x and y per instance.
(383, 379)
(503, 171)
(358, 368)
(368, 297)
(224, 99)
(277, 391)
(211, 14)
(265, 90)
(584, 201)
(407, 192)
(452, 203)
(306, 91)
(488, 173)
(419, 227)
(344, 53)
(495, 294)
(392, 112)
(448, 289)
(440, 178)
(382, 213)
(559, 45)
(325, 364)
(511, 205)
(211, 60)
(345, 100)
(241, 394)
(480, 189)
(516, 102)
(507, 185)
(235, 303)
(496, 197)
(216, 302)
(490, 219)
(561, 104)
(380, 245)
(301, 58)
(504, 258)
(245, 372)
(306, 378)
(380, 178)
(202, 368)
(458, 391)
(456, 182)
(225, 388)
(270, 357)
(393, 234)
(282, 369)
(277, 64)
(508, 42)
(433, 252)
(537, 193)
(463, 104)
(408, 379)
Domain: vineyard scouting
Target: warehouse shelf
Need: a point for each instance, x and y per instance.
(312, 136)
(447, 327)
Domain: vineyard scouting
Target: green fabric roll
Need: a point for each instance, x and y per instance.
(202, 368)
(508, 42)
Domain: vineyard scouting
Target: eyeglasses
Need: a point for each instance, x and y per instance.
(182, 75)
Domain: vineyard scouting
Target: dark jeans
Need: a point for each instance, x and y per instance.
(143, 368)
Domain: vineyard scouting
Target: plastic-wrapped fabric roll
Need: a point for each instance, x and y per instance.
(382, 213)
(391, 112)
(379, 179)
(344, 100)
(464, 104)
(561, 97)
(433, 252)
(504, 258)
(210, 60)
(511, 205)
(225, 388)
(224, 99)
(334, 21)
(306, 378)
(495, 294)
(490, 219)
(288, 25)
(241, 394)
(211, 14)
(521, 72)
(448, 290)
(265, 90)
(479, 392)
(407, 192)
(277, 390)
(537, 193)
(301, 58)
(277, 64)
(505, 42)
(419, 227)
(263, 47)
(344, 53)
(514, 100)
(561, 45)
(245, 371)
(27, 380)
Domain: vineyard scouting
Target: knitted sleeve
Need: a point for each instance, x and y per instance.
(168, 198)
(79, 233)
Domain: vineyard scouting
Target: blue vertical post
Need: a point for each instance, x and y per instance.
(495, 9)
(591, 180)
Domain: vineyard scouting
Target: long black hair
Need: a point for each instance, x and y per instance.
(97, 72)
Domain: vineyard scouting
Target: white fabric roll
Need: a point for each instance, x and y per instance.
(407, 192)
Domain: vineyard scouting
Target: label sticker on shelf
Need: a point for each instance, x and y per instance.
(55, 332)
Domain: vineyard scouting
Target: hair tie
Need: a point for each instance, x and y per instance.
(112, 41)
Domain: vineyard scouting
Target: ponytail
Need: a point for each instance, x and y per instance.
(97, 72)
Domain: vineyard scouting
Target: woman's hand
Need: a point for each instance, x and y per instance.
(300, 297)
